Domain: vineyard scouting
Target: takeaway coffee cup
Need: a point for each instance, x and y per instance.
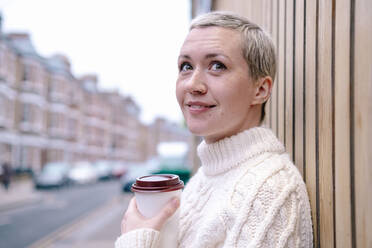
(152, 193)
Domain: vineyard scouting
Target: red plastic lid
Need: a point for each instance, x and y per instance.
(157, 183)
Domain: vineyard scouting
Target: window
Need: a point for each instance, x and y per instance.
(71, 124)
(51, 86)
(27, 73)
(113, 143)
(26, 113)
(54, 120)
(38, 119)
(10, 112)
(2, 64)
(24, 157)
(88, 134)
(2, 110)
(39, 79)
(11, 68)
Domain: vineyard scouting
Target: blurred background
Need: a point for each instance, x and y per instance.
(87, 104)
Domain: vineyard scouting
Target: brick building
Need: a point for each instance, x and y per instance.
(48, 114)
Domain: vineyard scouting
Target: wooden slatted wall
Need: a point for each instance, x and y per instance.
(321, 106)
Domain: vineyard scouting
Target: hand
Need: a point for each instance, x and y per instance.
(134, 220)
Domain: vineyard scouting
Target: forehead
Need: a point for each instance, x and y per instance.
(213, 39)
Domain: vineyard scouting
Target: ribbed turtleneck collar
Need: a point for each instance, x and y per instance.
(227, 153)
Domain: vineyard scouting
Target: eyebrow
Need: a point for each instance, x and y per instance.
(212, 55)
(208, 56)
(184, 56)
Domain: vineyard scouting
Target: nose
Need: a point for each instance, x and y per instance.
(197, 84)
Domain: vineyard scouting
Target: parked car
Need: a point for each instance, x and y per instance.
(53, 174)
(171, 159)
(23, 170)
(104, 169)
(136, 170)
(83, 173)
(119, 169)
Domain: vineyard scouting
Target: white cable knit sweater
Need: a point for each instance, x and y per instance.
(247, 193)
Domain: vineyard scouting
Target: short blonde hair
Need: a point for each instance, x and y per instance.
(258, 48)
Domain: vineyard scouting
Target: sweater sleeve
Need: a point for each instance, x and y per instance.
(140, 238)
(276, 215)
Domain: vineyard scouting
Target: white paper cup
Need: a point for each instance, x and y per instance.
(152, 193)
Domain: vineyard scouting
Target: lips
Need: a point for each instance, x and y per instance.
(199, 106)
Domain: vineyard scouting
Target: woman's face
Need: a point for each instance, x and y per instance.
(214, 88)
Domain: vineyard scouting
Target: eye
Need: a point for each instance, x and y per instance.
(185, 66)
(217, 66)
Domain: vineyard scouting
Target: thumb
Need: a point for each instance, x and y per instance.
(168, 210)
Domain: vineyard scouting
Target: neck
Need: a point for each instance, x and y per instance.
(253, 119)
(227, 153)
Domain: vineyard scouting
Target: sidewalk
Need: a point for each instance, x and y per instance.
(98, 228)
(20, 193)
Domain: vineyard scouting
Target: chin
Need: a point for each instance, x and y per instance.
(197, 129)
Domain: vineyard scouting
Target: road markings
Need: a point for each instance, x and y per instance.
(69, 228)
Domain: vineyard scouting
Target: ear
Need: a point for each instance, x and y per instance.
(263, 87)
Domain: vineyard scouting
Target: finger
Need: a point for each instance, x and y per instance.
(132, 204)
(131, 213)
(133, 209)
(169, 209)
(130, 208)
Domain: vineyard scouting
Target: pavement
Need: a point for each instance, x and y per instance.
(98, 228)
(20, 193)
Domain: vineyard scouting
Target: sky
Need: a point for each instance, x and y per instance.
(132, 45)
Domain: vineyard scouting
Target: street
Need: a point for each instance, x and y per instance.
(77, 216)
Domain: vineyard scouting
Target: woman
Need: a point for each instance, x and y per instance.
(247, 192)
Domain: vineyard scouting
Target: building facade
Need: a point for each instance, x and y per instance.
(47, 114)
(162, 130)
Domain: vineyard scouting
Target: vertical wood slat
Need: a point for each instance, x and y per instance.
(250, 8)
(274, 94)
(261, 13)
(258, 12)
(325, 124)
(342, 125)
(363, 122)
(269, 23)
(254, 9)
(337, 139)
(299, 86)
(289, 77)
(281, 71)
(310, 115)
(266, 14)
